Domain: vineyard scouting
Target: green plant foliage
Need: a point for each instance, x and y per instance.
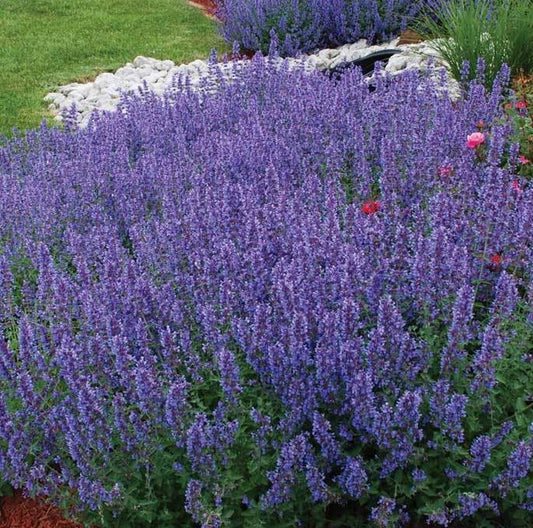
(496, 31)
(520, 111)
(154, 492)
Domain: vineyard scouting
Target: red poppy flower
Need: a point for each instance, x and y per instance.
(521, 105)
(495, 262)
(370, 207)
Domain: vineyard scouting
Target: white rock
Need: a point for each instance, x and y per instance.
(200, 65)
(396, 63)
(192, 73)
(104, 99)
(355, 48)
(178, 70)
(313, 61)
(105, 79)
(145, 71)
(66, 104)
(58, 98)
(126, 72)
(160, 76)
(67, 88)
(89, 106)
(430, 52)
(322, 64)
(328, 54)
(76, 96)
(93, 98)
(84, 90)
(114, 91)
(84, 120)
(164, 65)
(338, 61)
(100, 108)
(344, 49)
(51, 97)
(156, 74)
(416, 58)
(158, 89)
(141, 61)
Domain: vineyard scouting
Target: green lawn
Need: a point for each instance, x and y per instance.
(47, 43)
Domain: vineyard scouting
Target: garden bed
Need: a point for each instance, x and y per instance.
(292, 302)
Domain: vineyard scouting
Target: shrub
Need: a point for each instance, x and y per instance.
(294, 302)
(499, 32)
(296, 24)
(305, 25)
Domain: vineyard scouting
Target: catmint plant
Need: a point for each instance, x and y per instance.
(271, 305)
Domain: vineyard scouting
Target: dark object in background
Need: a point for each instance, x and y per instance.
(366, 63)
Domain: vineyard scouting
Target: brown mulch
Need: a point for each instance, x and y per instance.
(209, 7)
(22, 512)
(410, 37)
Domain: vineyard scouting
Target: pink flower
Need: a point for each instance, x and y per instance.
(516, 186)
(475, 139)
(521, 105)
(445, 171)
(524, 160)
(370, 207)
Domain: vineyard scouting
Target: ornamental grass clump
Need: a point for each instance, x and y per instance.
(464, 30)
(305, 25)
(291, 302)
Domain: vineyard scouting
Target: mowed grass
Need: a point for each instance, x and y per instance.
(47, 43)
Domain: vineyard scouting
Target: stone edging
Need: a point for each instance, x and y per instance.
(104, 93)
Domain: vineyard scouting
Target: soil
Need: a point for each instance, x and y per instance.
(21, 512)
(410, 37)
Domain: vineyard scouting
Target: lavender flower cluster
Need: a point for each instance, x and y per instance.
(305, 25)
(292, 292)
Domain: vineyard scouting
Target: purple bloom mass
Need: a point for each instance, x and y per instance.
(480, 450)
(191, 292)
(298, 25)
(353, 479)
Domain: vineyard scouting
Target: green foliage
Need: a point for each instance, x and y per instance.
(154, 491)
(24, 273)
(466, 30)
(509, 402)
(520, 111)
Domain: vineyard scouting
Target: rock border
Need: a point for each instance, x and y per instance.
(158, 76)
